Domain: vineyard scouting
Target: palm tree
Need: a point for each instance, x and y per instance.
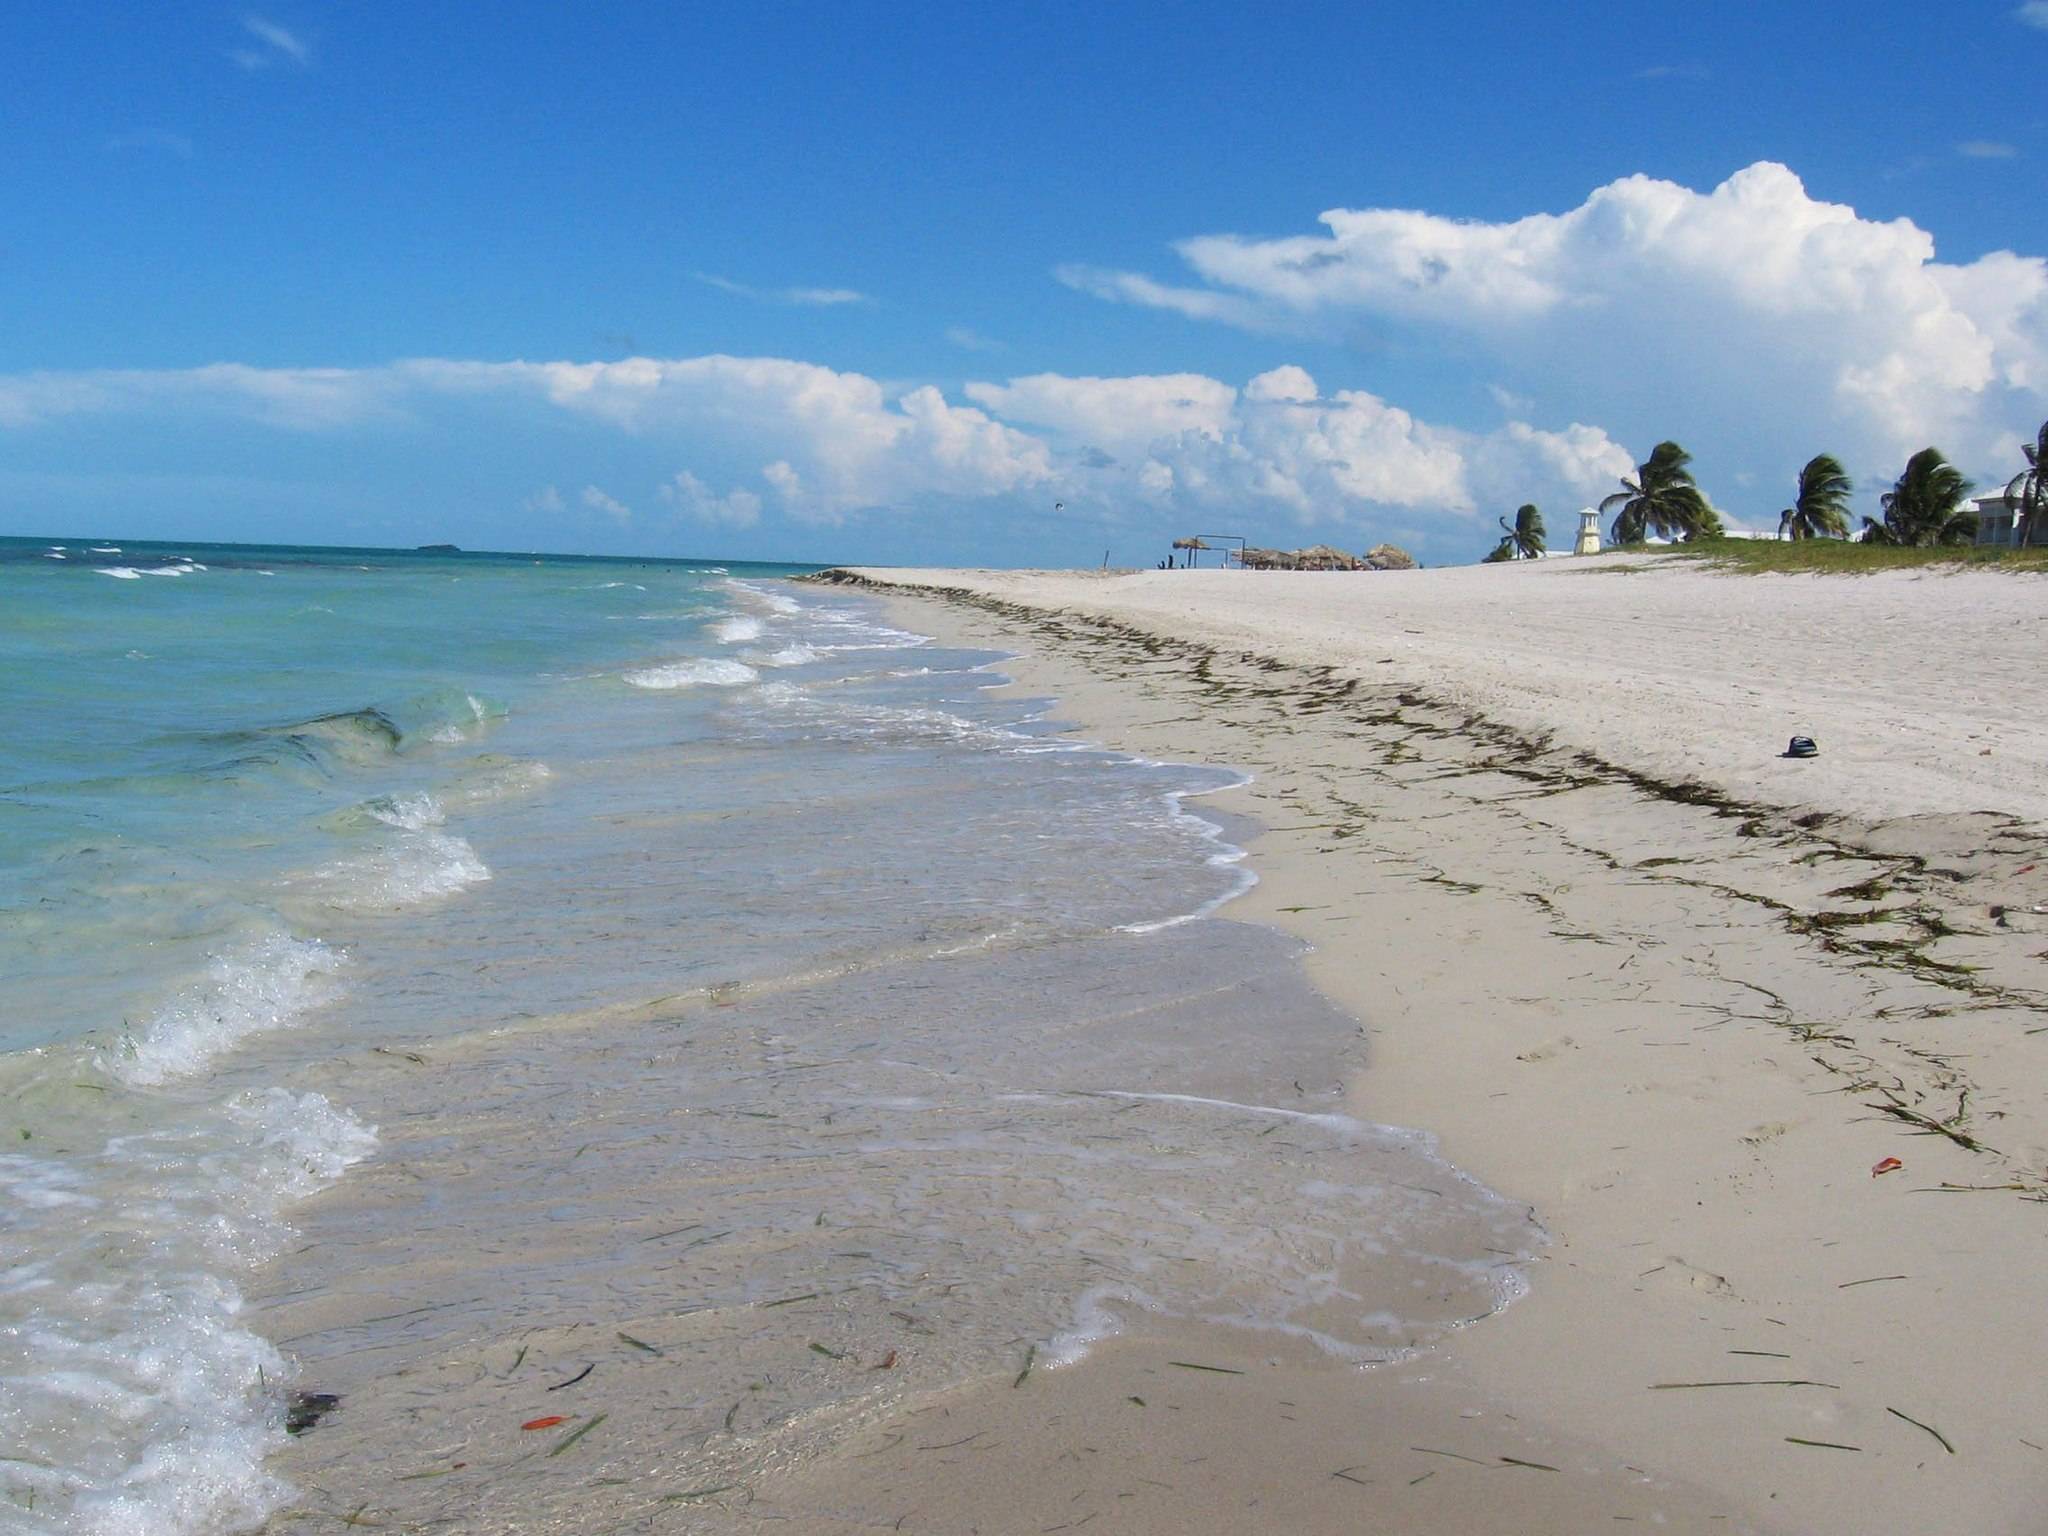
(1662, 499)
(1925, 506)
(2027, 491)
(1821, 509)
(1523, 539)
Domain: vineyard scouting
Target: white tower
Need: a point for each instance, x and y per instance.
(1589, 532)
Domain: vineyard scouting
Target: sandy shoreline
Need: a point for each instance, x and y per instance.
(1626, 974)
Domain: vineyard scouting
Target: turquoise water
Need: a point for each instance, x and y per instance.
(191, 723)
(403, 950)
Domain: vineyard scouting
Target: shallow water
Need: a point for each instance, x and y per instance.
(679, 974)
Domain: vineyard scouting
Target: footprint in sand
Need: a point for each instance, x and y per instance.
(1546, 1051)
(1675, 1268)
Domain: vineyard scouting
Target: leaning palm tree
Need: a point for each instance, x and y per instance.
(2027, 492)
(1925, 507)
(1663, 500)
(1523, 538)
(1821, 509)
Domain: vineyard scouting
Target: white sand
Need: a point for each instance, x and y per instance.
(1925, 691)
(1685, 1032)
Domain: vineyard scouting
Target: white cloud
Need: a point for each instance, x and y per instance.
(842, 443)
(817, 298)
(1114, 415)
(829, 445)
(1195, 303)
(1189, 441)
(1985, 149)
(2034, 13)
(274, 44)
(282, 397)
(691, 496)
(1756, 314)
(598, 500)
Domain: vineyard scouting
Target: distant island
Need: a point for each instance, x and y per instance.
(437, 549)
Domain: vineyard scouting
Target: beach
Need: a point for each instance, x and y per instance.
(1687, 999)
(565, 1046)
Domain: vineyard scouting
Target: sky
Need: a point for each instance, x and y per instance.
(1036, 284)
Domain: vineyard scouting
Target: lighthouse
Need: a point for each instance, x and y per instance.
(1589, 532)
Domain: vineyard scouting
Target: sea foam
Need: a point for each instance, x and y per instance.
(267, 982)
(736, 630)
(709, 672)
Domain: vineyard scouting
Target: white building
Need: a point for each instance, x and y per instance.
(1995, 517)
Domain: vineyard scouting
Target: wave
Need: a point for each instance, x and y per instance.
(136, 573)
(412, 869)
(488, 778)
(140, 1403)
(774, 602)
(414, 813)
(736, 630)
(267, 982)
(364, 737)
(710, 672)
(796, 655)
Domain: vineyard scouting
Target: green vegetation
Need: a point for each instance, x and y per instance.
(1662, 499)
(1927, 521)
(1521, 539)
(1925, 506)
(1851, 558)
(1821, 508)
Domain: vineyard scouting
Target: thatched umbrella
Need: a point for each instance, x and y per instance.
(1322, 557)
(1389, 557)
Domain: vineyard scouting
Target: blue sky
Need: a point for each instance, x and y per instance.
(893, 283)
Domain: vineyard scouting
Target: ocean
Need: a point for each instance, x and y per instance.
(444, 991)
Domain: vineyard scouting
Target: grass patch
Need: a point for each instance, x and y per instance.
(1841, 557)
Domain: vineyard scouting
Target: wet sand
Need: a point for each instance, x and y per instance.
(1630, 972)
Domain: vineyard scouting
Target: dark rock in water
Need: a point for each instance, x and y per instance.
(303, 1410)
(437, 549)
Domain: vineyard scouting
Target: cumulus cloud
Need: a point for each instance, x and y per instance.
(1280, 444)
(1753, 308)
(816, 444)
(738, 508)
(1115, 415)
(818, 298)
